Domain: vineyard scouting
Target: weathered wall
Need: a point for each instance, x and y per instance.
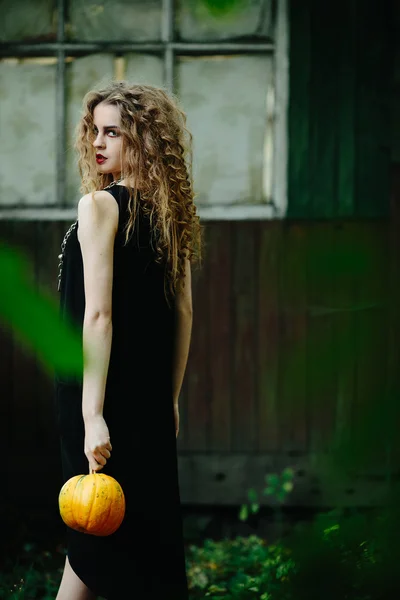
(341, 65)
(291, 346)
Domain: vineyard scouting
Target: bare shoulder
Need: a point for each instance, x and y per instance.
(99, 207)
(97, 212)
(101, 201)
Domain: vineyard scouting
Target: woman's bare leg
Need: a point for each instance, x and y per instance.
(71, 587)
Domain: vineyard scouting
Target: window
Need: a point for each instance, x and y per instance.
(228, 67)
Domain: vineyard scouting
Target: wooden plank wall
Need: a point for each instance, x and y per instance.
(339, 113)
(292, 324)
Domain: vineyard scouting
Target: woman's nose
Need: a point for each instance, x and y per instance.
(98, 142)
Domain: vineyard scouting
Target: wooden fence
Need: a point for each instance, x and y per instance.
(294, 343)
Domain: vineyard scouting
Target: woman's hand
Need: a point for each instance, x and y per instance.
(176, 416)
(97, 442)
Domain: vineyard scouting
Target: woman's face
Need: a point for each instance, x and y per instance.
(108, 139)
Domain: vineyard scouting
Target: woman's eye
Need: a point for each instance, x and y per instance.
(114, 133)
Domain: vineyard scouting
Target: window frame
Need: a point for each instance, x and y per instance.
(169, 49)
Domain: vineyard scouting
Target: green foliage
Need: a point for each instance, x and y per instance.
(239, 569)
(278, 486)
(346, 556)
(218, 9)
(33, 575)
(34, 317)
(221, 8)
(351, 258)
(337, 557)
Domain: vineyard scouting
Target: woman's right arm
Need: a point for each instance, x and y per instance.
(182, 333)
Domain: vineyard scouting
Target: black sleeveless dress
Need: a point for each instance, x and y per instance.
(145, 557)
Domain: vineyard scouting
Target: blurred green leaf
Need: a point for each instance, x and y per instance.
(329, 530)
(348, 259)
(272, 479)
(35, 318)
(252, 495)
(244, 513)
(287, 473)
(287, 486)
(221, 8)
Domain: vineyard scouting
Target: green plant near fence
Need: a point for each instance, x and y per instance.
(278, 486)
(337, 557)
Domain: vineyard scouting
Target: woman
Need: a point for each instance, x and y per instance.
(125, 281)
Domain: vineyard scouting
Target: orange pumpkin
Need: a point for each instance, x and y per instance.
(92, 504)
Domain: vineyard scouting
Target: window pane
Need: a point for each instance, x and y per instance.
(27, 125)
(82, 74)
(225, 100)
(24, 20)
(205, 20)
(144, 68)
(85, 73)
(119, 20)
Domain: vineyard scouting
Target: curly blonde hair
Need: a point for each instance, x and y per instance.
(157, 155)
